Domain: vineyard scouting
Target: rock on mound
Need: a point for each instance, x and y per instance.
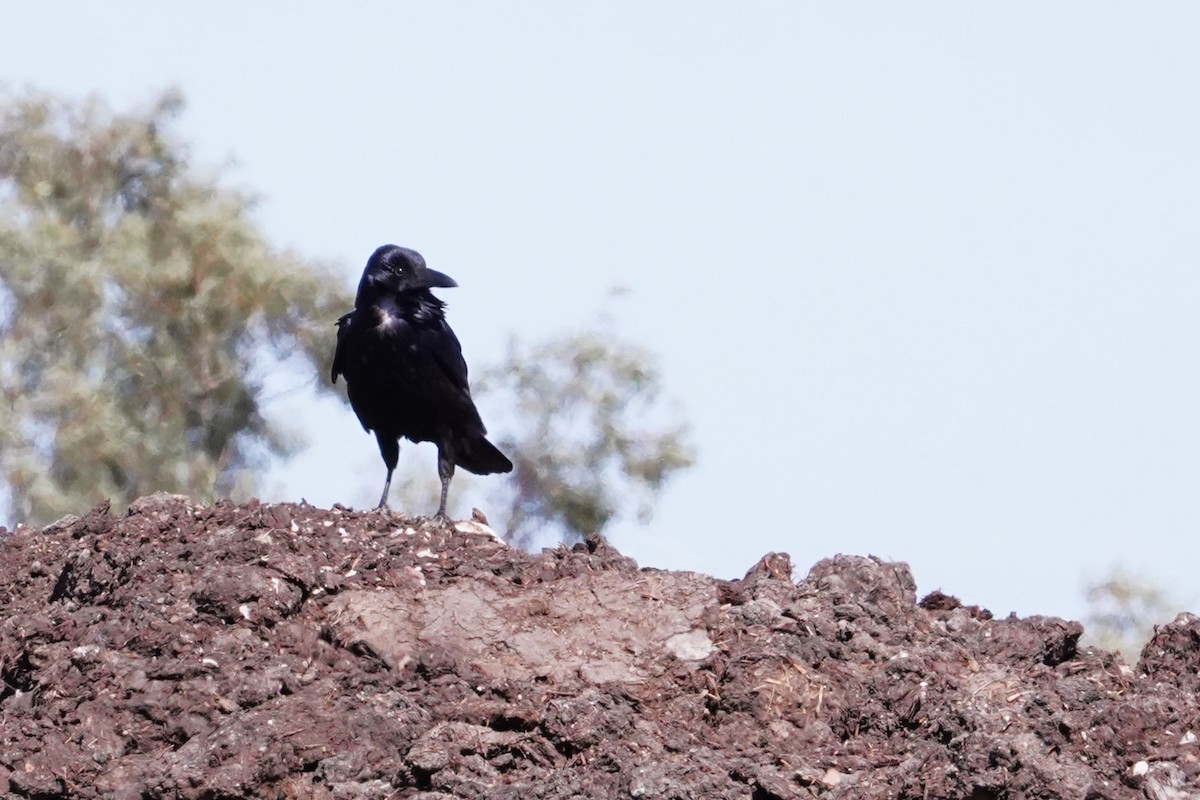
(288, 651)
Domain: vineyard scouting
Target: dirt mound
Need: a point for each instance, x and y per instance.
(289, 651)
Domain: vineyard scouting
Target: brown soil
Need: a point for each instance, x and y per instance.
(290, 651)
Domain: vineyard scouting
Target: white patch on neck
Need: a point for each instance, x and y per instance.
(388, 319)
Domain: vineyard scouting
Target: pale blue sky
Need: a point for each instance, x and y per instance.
(923, 277)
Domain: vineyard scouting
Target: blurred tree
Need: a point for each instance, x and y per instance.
(138, 305)
(1123, 609)
(592, 437)
(140, 308)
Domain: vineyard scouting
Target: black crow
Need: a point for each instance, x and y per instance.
(405, 372)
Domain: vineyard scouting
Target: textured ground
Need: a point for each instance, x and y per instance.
(289, 651)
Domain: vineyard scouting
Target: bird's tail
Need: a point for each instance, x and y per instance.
(480, 456)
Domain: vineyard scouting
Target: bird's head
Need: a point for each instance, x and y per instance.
(396, 270)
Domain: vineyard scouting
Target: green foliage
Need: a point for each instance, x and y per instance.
(136, 298)
(593, 437)
(1123, 609)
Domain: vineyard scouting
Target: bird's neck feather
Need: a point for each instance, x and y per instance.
(415, 305)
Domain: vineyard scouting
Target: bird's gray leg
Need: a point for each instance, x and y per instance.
(386, 486)
(389, 448)
(445, 472)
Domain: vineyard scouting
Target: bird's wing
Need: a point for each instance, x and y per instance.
(339, 352)
(440, 341)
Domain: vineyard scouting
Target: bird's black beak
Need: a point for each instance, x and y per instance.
(431, 278)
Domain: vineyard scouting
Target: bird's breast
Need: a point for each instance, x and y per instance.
(388, 320)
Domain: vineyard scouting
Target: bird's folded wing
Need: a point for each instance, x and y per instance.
(339, 352)
(441, 342)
